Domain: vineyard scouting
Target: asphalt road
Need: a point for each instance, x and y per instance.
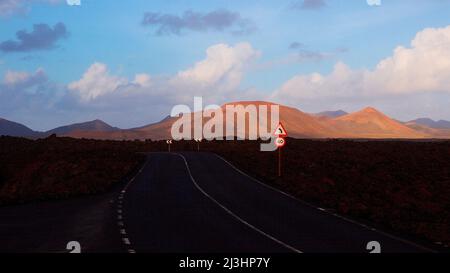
(188, 203)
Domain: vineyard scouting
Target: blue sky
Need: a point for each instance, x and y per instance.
(112, 33)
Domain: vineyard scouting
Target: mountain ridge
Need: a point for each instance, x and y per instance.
(331, 114)
(371, 123)
(11, 128)
(440, 124)
(94, 125)
(365, 123)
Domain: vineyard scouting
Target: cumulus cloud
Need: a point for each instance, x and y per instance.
(309, 4)
(424, 66)
(143, 80)
(42, 37)
(217, 76)
(95, 82)
(144, 97)
(223, 67)
(218, 20)
(417, 75)
(342, 82)
(23, 91)
(20, 80)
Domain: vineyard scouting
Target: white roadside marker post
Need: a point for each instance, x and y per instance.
(169, 142)
(198, 140)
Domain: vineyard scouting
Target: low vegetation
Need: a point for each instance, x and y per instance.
(398, 185)
(54, 168)
(401, 186)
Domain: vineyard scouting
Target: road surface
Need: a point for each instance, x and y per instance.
(188, 203)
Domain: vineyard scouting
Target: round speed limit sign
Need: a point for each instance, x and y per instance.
(280, 142)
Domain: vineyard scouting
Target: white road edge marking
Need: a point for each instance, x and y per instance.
(121, 224)
(233, 214)
(333, 214)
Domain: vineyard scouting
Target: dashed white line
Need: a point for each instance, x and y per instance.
(126, 241)
(121, 224)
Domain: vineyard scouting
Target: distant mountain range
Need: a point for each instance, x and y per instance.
(332, 114)
(91, 126)
(367, 123)
(440, 124)
(11, 128)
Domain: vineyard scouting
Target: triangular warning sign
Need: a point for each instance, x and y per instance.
(280, 131)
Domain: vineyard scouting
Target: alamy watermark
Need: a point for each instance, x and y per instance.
(230, 122)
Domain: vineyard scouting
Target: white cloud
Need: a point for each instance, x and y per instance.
(221, 70)
(143, 80)
(218, 76)
(418, 77)
(424, 67)
(14, 77)
(20, 79)
(24, 91)
(96, 82)
(342, 82)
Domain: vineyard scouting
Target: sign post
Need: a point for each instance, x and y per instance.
(198, 140)
(169, 142)
(280, 133)
(279, 162)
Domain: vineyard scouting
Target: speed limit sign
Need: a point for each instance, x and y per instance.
(280, 142)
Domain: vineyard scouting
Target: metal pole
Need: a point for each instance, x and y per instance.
(279, 162)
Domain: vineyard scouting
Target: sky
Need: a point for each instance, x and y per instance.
(129, 62)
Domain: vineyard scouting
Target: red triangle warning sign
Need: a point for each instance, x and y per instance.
(280, 131)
